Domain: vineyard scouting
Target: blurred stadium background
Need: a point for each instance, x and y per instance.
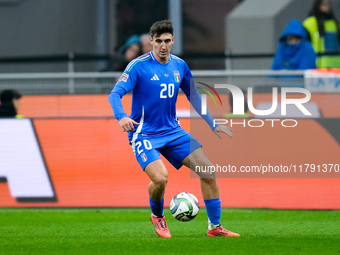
(54, 52)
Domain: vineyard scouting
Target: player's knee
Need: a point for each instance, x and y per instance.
(199, 160)
(211, 181)
(160, 181)
(206, 176)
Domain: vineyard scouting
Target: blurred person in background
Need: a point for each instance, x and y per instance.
(324, 33)
(10, 103)
(295, 52)
(145, 43)
(128, 51)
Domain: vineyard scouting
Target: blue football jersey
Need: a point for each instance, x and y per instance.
(155, 88)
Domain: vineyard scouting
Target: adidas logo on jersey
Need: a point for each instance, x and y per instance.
(155, 78)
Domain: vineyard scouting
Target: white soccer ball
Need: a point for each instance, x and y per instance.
(184, 206)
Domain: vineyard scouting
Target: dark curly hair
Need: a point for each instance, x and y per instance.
(161, 27)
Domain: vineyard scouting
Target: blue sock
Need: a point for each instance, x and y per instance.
(213, 207)
(157, 207)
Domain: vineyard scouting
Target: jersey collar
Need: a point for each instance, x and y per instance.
(153, 57)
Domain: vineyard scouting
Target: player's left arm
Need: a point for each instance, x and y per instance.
(224, 130)
(189, 88)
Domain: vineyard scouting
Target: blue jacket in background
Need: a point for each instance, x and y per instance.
(294, 57)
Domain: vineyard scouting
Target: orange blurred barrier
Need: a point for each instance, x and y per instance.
(91, 164)
(98, 105)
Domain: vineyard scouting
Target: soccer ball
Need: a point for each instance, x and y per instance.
(184, 206)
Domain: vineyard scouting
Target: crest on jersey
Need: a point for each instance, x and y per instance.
(177, 76)
(124, 77)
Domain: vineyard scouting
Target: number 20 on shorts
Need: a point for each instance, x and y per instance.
(147, 145)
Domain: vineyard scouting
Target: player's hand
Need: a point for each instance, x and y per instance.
(127, 124)
(223, 129)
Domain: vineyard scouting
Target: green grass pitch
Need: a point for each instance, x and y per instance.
(129, 231)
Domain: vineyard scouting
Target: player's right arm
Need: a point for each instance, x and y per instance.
(126, 83)
(127, 123)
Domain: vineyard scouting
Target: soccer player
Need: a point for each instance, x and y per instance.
(155, 79)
